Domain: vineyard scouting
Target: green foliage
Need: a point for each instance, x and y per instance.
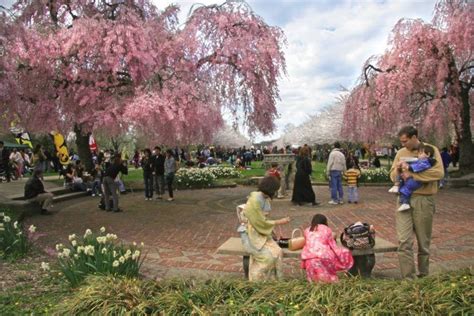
(36, 295)
(97, 254)
(451, 293)
(14, 242)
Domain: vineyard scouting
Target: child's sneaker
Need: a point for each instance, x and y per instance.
(404, 207)
(333, 202)
(393, 189)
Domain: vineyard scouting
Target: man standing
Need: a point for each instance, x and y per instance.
(159, 172)
(34, 191)
(335, 167)
(419, 218)
(110, 186)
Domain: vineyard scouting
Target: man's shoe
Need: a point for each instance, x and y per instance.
(118, 210)
(170, 200)
(333, 202)
(404, 207)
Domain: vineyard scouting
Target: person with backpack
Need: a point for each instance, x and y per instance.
(321, 256)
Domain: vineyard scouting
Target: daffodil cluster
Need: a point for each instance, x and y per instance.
(376, 175)
(97, 254)
(14, 242)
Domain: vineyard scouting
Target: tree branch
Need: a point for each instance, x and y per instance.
(369, 66)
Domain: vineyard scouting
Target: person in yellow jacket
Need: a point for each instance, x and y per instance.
(351, 176)
(419, 218)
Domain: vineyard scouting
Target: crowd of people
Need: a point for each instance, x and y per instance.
(416, 171)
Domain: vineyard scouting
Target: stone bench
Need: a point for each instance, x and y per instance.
(233, 246)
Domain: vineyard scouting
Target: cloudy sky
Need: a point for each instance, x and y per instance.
(328, 42)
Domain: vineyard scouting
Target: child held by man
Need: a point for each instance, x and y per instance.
(406, 187)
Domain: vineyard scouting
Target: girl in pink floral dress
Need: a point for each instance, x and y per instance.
(321, 257)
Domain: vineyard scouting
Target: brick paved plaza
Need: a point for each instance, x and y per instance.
(181, 237)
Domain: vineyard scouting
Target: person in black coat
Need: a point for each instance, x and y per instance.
(147, 166)
(303, 191)
(5, 161)
(35, 192)
(109, 184)
(159, 172)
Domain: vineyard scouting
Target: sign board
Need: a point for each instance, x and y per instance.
(279, 158)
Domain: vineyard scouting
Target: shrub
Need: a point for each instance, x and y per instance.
(450, 293)
(194, 177)
(375, 175)
(14, 242)
(97, 254)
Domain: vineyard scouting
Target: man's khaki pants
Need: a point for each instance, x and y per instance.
(419, 220)
(45, 199)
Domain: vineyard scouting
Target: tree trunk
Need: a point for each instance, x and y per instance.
(84, 152)
(466, 147)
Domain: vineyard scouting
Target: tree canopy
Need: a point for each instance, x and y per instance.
(424, 78)
(114, 65)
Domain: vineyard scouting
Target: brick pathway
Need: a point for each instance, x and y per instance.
(181, 237)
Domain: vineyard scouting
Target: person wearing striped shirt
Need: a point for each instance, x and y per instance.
(351, 176)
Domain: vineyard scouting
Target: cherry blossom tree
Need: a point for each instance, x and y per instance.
(113, 65)
(321, 128)
(229, 137)
(424, 78)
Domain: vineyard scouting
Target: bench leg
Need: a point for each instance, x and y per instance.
(245, 261)
(363, 265)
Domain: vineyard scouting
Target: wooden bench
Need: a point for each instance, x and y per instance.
(233, 246)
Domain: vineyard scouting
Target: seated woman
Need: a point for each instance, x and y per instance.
(265, 254)
(71, 179)
(321, 257)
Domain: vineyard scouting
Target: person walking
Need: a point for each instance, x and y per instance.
(419, 218)
(335, 167)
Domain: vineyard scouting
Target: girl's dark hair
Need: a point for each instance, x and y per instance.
(318, 219)
(269, 185)
(427, 149)
(147, 150)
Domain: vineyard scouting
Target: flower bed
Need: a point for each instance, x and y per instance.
(203, 177)
(374, 175)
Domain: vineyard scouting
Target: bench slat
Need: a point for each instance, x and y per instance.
(233, 246)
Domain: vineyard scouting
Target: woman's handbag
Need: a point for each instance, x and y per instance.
(296, 243)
